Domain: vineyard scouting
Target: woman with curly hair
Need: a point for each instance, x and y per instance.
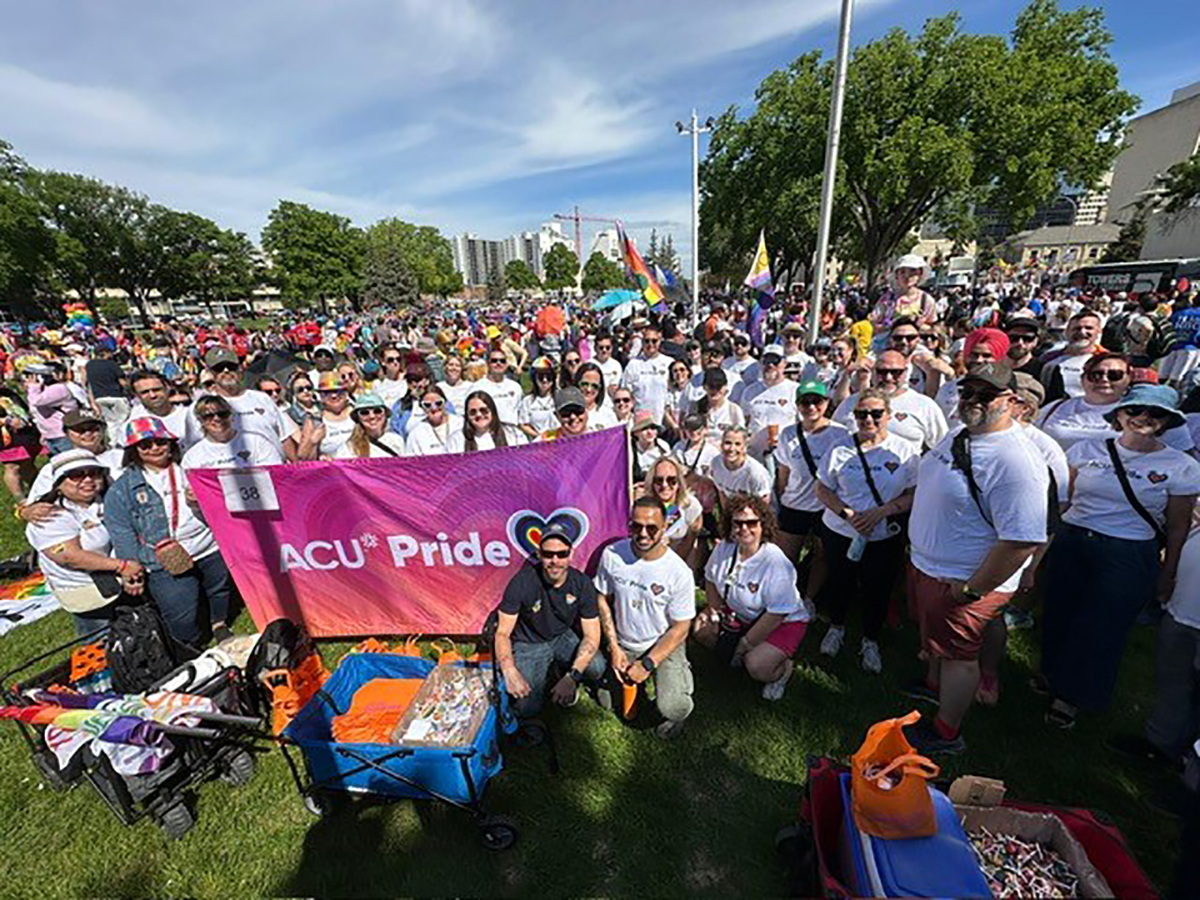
(755, 616)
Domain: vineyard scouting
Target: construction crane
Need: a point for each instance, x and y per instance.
(579, 219)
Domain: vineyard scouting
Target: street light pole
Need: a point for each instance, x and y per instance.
(830, 177)
(695, 130)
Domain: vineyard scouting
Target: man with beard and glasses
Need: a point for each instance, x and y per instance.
(1063, 372)
(915, 417)
(978, 516)
(253, 411)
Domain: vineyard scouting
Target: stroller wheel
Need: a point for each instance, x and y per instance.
(176, 821)
(47, 767)
(498, 832)
(239, 769)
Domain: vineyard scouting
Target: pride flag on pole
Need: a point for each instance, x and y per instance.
(759, 279)
(637, 268)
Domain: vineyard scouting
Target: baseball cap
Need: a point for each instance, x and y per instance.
(558, 532)
(793, 328)
(812, 387)
(77, 417)
(773, 350)
(1029, 389)
(643, 419)
(568, 397)
(996, 374)
(369, 401)
(218, 355)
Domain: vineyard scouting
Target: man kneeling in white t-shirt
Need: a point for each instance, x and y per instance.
(647, 602)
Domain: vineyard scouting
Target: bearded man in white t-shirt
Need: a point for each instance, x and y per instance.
(647, 603)
(978, 517)
(253, 411)
(915, 417)
(769, 403)
(646, 375)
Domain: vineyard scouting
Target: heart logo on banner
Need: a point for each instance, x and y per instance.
(525, 527)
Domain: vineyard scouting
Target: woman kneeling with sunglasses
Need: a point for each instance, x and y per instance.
(755, 615)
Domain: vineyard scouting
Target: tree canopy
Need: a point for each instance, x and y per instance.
(519, 277)
(600, 274)
(315, 256)
(562, 267)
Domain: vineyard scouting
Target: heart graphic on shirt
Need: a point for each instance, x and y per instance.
(1156, 477)
(901, 416)
(782, 401)
(891, 465)
(753, 587)
(244, 455)
(525, 527)
(656, 589)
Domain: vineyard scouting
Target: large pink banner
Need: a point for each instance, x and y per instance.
(410, 545)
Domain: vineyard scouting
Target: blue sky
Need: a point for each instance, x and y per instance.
(463, 114)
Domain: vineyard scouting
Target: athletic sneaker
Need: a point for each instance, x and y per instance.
(774, 690)
(919, 690)
(871, 660)
(832, 643)
(925, 737)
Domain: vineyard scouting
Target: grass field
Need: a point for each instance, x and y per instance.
(628, 814)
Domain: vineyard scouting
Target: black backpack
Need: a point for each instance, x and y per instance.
(282, 645)
(140, 650)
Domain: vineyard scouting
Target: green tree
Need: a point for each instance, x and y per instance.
(668, 258)
(520, 277)
(562, 267)
(26, 243)
(1180, 186)
(600, 274)
(204, 260)
(652, 250)
(316, 256)
(388, 280)
(497, 287)
(426, 253)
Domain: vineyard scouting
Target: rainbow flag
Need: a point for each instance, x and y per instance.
(760, 281)
(637, 269)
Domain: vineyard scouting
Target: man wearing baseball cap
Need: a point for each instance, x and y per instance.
(978, 517)
(253, 411)
(85, 430)
(543, 606)
(769, 403)
(571, 409)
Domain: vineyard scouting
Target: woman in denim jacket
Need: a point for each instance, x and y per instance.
(149, 519)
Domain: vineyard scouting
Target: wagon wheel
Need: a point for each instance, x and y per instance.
(239, 769)
(498, 832)
(323, 804)
(47, 767)
(176, 821)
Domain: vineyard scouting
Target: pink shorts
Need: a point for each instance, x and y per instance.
(787, 637)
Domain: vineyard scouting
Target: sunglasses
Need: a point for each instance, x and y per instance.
(272, 392)
(431, 405)
(666, 481)
(153, 442)
(215, 414)
(906, 338)
(888, 373)
(650, 530)
(1024, 338)
(207, 384)
(544, 376)
(391, 359)
(1111, 375)
(811, 400)
(863, 414)
(745, 523)
(303, 388)
(982, 394)
(571, 412)
(478, 413)
(1154, 412)
(771, 360)
(498, 361)
(589, 386)
(928, 336)
(413, 379)
(86, 429)
(372, 411)
(554, 554)
(81, 474)
(650, 340)
(332, 392)
(572, 361)
(622, 400)
(224, 367)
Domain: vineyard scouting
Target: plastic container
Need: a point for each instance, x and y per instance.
(939, 866)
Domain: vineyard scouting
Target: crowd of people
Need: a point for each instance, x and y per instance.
(971, 460)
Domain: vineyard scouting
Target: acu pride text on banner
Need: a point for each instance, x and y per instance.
(410, 545)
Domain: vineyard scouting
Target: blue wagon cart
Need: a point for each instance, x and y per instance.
(334, 772)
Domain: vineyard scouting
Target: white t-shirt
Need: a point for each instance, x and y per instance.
(650, 455)
(893, 466)
(764, 583)
(947, 401)
(456, 395)
(391, 392)
(1098, 503)
(44, 483)
(514, 437)
(507, 396)
(389, 439)
(192, 532)
(73, 521)
(800, 492)
(764, 406)
(1056, 460)
(728, 413)
(178, 422)
(647, 380)
(337, 432)
(600, 417)
(240, 451)
(1073, 420)
(1180, 367)
(744, 369)
(680, 519)
(1071, 368)
(256, 413)
(915, 417)
(751, 477)
(537, 412)
(647, 596)
(696, 460)
(950, 537)
(612, 370)
(425, 440)
(1184, 605)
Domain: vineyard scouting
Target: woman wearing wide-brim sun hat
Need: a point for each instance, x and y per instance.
(903, 299)
(1117, 548)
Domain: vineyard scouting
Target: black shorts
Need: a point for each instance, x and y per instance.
(798, 521)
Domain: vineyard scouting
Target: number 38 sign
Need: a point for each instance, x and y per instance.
(248, 490)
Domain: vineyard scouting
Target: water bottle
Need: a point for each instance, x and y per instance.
(855, 551)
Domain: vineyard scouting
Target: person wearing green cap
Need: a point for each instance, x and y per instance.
(803, 445)
(370, 438)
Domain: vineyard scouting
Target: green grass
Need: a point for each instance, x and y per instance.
(628, 815)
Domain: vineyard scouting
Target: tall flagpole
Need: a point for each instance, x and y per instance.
(695, 129)
(830, 177)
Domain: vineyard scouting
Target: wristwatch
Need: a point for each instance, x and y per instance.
(971, 594)
(576, 675)
(647, 662)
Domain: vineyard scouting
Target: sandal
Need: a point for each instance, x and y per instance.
(1061, 715)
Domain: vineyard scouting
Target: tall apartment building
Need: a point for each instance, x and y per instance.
(478, 258)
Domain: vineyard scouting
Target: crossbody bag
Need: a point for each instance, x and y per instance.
(1123, 477)
(171, 554)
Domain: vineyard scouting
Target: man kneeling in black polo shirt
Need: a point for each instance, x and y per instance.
(546, 608)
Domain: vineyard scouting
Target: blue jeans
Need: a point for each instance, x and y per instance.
(533, 660)
(178, 598)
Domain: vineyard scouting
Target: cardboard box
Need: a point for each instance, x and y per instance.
(975, 790)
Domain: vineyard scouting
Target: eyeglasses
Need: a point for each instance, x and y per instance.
(215, 414)
(479, 413)
(1025, 337)
(554, 554)
(81, 474)
(1112, 375)
(86, 429)
(431, 405)
(745, 523)
(153, 442)
(544, 376)
(771, 360)
(572, 361)
(1154, 412)
(372, 411)
(888, 373)
(331, 392)
(906, 338)
(649, 529)
(304, 388)
(498, 361)
(604, 348)
(863, 414)
(391, 359)
(928, 336)
(811, 400)
(272, 392)
(224, 367)
(622, 400)
(590, 386)
(413, 379)
(571, 412)
(666, 480)
(208, 384)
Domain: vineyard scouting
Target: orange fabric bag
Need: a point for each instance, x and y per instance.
(375, 710)
(888, 789)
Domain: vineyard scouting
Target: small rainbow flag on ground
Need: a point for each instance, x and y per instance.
(759, 279)
(637, 268)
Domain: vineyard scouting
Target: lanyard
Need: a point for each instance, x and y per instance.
(174, 500)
